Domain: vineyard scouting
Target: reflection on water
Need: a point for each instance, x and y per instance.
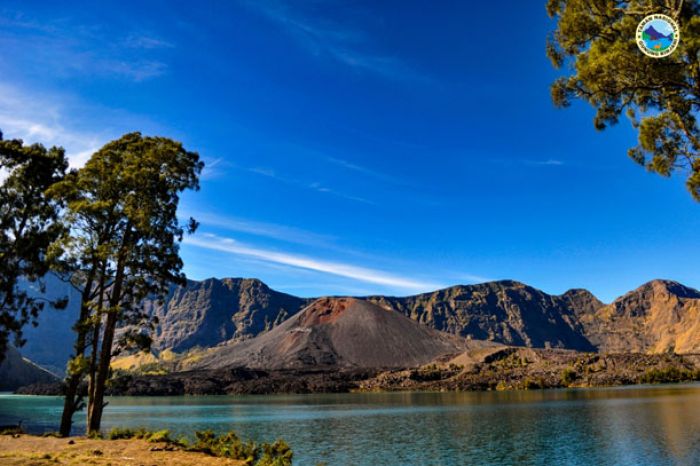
(624, 426)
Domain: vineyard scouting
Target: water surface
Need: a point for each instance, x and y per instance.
(657, 425)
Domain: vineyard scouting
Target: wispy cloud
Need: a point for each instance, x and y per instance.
(515, 162)
(146, 41)
(214, 167)
(363, 170)
(362, 274)
(314, 185)
(69, 50)
(54, 119)
(262, 229)
(323, 37)
(39, 118)
(548, 162)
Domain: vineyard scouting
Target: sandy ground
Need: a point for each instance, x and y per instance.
(32, 450)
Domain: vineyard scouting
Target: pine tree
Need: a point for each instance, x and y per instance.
(595, 43)
(29, 224)
(123, 246)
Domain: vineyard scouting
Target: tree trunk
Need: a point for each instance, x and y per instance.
(73, 400)
(95, 341)
(97, 403)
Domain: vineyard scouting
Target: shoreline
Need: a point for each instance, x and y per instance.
(507, 369)
(37, 450)
(646, 385)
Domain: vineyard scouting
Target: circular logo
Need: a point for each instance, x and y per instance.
(658, 36)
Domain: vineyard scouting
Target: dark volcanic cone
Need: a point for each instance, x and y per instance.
(343, 333)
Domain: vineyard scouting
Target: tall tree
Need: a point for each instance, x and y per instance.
(124, 246)
(595, 43)
(28, 226)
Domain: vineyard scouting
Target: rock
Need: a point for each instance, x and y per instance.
(661, 316)
(213, 311)
(505, 311)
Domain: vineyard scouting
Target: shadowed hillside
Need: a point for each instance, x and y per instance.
(213, 311)
(16, 371)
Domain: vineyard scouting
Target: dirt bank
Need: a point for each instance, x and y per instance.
(32, 450)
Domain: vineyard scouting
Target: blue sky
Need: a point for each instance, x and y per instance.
(356, 147)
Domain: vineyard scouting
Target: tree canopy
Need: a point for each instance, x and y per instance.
(594, 42)
(123, 246)
(29, 224)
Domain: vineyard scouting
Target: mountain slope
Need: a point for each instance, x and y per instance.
(658, 317)
(506, 311)
(16, 371)
(213, 311)
(50, 344)
(339, 332)
(204, 313)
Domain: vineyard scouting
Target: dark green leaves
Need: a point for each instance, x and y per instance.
(29, 224)
(594, 43)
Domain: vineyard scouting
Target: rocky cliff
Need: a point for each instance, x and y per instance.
(505, 311)
(658, 317)
(213, 311)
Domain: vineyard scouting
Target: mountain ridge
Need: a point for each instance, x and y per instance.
(658, 316)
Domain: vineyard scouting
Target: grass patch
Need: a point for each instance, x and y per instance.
(669, 375)
(568, 376)
(227, 445)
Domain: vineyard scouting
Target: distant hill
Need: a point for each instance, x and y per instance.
(658, 317)
(50, 344)
(505, 311)
(16, 371)
(339, 332)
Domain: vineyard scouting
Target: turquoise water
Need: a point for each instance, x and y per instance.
(657, 425)
(658, 45)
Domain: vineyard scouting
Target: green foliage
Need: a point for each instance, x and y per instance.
(568, 376)
(670, 375)
(159, 436)
(529, 384)
(77, 365)
(123, 245)
(227, 445)
(275, 454)
(433, 372)
(595, 43)
(11, 430)
(28, 226)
